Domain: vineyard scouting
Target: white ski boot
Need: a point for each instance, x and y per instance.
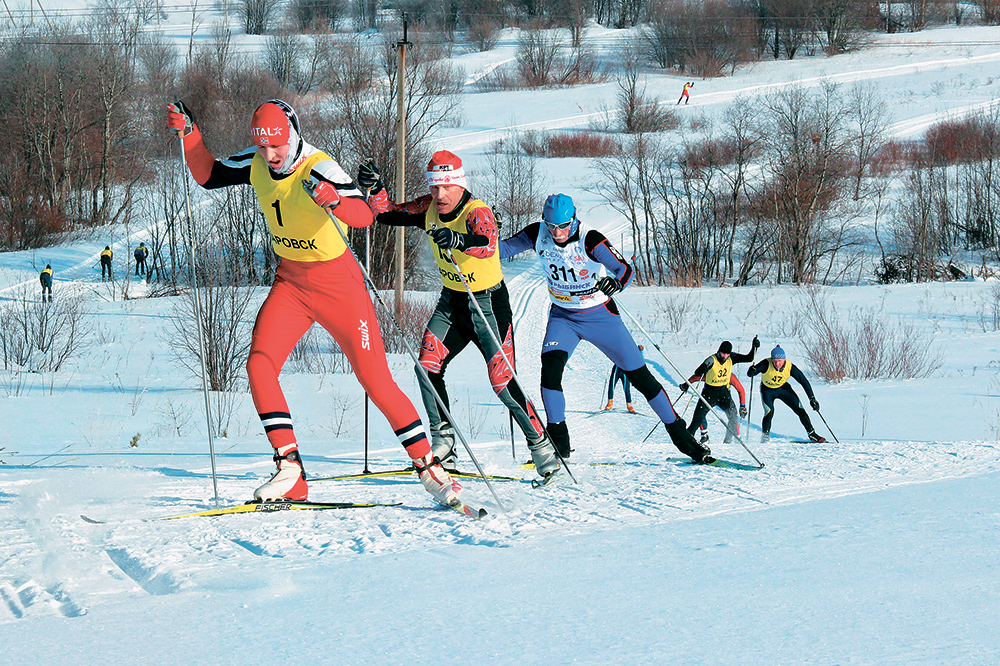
(436, 480)
(289, 482)
(443, 445)
(544, 456)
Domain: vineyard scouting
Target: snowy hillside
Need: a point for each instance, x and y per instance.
(879, 549)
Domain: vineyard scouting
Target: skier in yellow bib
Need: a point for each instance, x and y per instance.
(717, 370)
(457, 221)
(774, 373)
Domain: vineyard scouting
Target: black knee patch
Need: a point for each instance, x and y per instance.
(553, 364)
(643, 380)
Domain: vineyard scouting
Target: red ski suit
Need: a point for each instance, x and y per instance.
(318, 280)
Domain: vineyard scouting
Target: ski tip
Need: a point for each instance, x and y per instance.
(90, 520)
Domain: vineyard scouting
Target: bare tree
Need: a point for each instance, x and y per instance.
(512, 185)
(363, 83)
(806, 163)
(226, 323)
(871, 120)
(257, 15)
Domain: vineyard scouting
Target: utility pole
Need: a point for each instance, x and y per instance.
(401, 46)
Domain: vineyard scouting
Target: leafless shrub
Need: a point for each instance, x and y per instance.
(863, 343)
(41, 337)
(541, 61)
(317, 15)
(989, 309)
(703, 37)
(637, 112)
(363, 83)
(568, 144)
(513, 184)
(226, 323)
(412, 317)
(484, 34)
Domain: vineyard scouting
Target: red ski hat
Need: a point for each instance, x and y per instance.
(445, 168)
(274, 123)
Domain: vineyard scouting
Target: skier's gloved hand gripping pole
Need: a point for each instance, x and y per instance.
(181, 121)
(680, 374)
(310, 187)
(486, 323)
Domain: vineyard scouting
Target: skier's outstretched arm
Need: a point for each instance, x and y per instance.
(209, 172)
(520, 242)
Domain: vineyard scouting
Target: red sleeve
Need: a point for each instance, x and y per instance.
(381, 203)
(735, 381)
(354, 212)
(199, 160)
(481, 222)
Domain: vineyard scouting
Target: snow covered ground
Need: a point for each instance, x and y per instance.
(880, 549)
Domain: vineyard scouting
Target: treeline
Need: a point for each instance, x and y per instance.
(84, 104)
(796, 186)
(774, 193)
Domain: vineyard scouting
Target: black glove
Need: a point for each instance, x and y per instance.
(369, 177)
(814, 403)
(609, 285)
(756, 342)
(752, 370)
(743, 411)
(446, 239)
(684, 387)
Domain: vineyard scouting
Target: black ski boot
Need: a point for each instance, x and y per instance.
(559, 433)
(686, 443)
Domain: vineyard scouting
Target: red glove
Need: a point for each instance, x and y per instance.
(322, 191)
(179, 118)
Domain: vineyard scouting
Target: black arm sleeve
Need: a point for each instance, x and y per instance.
(401, 218)
(801, 379)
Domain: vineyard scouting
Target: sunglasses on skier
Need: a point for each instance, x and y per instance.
(559, 227)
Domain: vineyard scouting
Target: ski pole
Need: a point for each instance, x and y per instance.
(496, 341)
(513, 451)
(197, 315)
(368, 267)
(750, 405)
(827, 426)
(680, 374)
(420, 369)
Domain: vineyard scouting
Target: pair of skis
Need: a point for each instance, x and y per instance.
(475, 512)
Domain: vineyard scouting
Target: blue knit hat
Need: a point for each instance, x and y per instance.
(777, 352)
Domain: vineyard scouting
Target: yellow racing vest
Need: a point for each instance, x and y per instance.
(300, 229)
(774, 378)
(481, 273)
(719, 373)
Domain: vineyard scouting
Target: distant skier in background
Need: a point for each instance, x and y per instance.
(583, 272)
(618, 375)
(774, 373)
(717, 371)
(45, 277)
(454, 219)
(685, 95)
(317, 280)
(106, 255)
(140, 255)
